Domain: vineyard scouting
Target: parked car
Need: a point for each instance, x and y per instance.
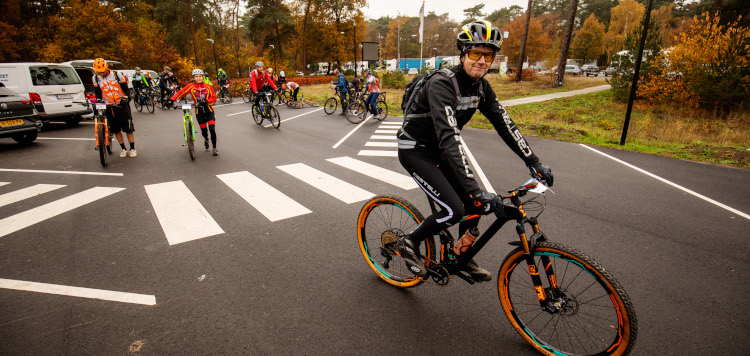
(590, 69)
(413, 71)
(610, 71)
(52, 88)
(19, 119)
(572, 69)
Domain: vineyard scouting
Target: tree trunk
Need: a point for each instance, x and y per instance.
(523, 43)
(304, 36)
(565, 45)
(192, 31)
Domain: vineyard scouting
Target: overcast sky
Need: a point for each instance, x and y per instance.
(454, 8)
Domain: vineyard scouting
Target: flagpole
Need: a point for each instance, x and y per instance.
(421, 34)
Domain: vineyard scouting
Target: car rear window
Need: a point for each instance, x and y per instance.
(48, 75)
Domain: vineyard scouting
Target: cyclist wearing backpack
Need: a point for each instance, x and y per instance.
(110, 89)
(222, 77)
(260, 80)
(141, 81)
(429, 145)
(373, 85)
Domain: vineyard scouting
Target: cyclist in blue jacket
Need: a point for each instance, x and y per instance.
(341, 84)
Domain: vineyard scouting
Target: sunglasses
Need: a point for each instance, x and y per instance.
(474, 55)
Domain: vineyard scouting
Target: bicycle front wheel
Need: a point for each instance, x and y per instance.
(246, 96)
(590, 313)
(138, 103)
(190, 138)
(102, 138)
(382, 110)
(330, 106)
(355, 113)
(150, 104)
(273, 116)
(382, 221)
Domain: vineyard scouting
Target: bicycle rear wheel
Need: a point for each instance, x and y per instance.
(382, 221)
(273, 116)
(592, 314)
(330, 106)
(150, 104)
(102, 138)
(138, 104)
(229, 96)
(257, 115)
(355, 113)
(190, 138)
(382, 110)
(246, 96)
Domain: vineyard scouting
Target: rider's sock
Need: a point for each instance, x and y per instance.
(132, 145)
(122, 145)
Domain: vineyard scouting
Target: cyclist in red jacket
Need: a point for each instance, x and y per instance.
(204, 98)
(260, 80)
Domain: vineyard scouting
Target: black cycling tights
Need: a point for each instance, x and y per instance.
(211, 128)
(436, 179)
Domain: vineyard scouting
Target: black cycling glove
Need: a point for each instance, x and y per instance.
(488, 202)
(542, 171)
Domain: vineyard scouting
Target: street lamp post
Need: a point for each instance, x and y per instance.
(398, 41)
(117, 48)
(216, 64)
(354, 28)
(434, 50)
(273, 57)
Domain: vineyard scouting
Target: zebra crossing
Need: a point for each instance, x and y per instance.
(183, 218)
(383, 141)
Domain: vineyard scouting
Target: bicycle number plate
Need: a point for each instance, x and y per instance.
(186, 106)
(100, 106)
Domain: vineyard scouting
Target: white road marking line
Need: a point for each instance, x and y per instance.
(337, 188)
(378, 153)
(383, 137)
(723, 206)
(65, 138)
(3, 183)
(294, 117)
(270, 202)
(382, 144)
(478, 170)
(181, 215)
(60, 172)
(386, 131)
(27, 218)
(28, 192)
(81, 292)
(350, 133)
(241, 112)
(398, 179)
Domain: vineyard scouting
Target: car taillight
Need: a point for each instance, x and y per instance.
(35, 98)
(91, 97)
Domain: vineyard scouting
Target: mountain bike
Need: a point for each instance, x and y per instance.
(248, 96)
(332, 103)
(101, 130)
(144, 99)
(266, 110)
(560, 300)
(188, 129)
(225, 95)
(282, 96)
(357, 110)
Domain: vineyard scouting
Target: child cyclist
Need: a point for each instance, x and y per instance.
(204, 97)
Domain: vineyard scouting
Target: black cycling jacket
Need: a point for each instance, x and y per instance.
(446, 115)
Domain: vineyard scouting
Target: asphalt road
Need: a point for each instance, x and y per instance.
(228, 276)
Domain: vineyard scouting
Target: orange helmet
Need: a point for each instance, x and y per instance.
(100, 65)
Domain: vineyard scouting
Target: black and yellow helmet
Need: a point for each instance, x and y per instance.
(478, 33)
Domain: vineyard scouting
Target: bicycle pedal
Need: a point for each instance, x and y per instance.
(465, 277)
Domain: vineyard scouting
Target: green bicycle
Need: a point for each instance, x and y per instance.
(188, 129)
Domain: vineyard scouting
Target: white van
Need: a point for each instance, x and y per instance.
(51, 87)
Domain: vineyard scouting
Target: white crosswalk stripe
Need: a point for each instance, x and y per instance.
(381, 131)
(400, 180)
(383, 137)
(337, 188)
(25, 193)
(382, 144)
(386, 131)
(30, 217)
(182, 217)
(378, 153)
(270, 202)
(3, 183)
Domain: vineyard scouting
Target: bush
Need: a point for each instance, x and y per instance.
(349, 72)
(709, 67)
(395, 80)
(622, 79)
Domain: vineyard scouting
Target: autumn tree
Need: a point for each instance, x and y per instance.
(588, 43)
(504, 16)
(625, 18)
(474, 13)
(537, 45)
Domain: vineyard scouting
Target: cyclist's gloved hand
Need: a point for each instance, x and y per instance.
(542, 171)
(488, 202)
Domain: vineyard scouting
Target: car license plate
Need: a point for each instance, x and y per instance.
(64, 96)
(11, 123)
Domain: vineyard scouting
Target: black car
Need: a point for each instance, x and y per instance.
(590, 69)
(18, 118)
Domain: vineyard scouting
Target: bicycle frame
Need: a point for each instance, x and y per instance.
(453, 264)
(187, 121)
(101, 115)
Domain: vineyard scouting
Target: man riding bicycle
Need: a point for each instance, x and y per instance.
(341, 84)
(429, 145)
(142, 81)
(164, 84)
(260, 80)
(204, 98)
(373, 86)
(110, 88)
(223, 78)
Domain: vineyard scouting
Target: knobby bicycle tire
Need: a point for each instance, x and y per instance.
(382, 110)
(330, 106)
(101, 132)
(355, 113)
(273, 116)
(257, 115)
(150, 104)
(190, 138)
(137, 103)
(382, 221)
(595, 315)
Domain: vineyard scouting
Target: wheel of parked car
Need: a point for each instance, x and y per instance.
(26, 137)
